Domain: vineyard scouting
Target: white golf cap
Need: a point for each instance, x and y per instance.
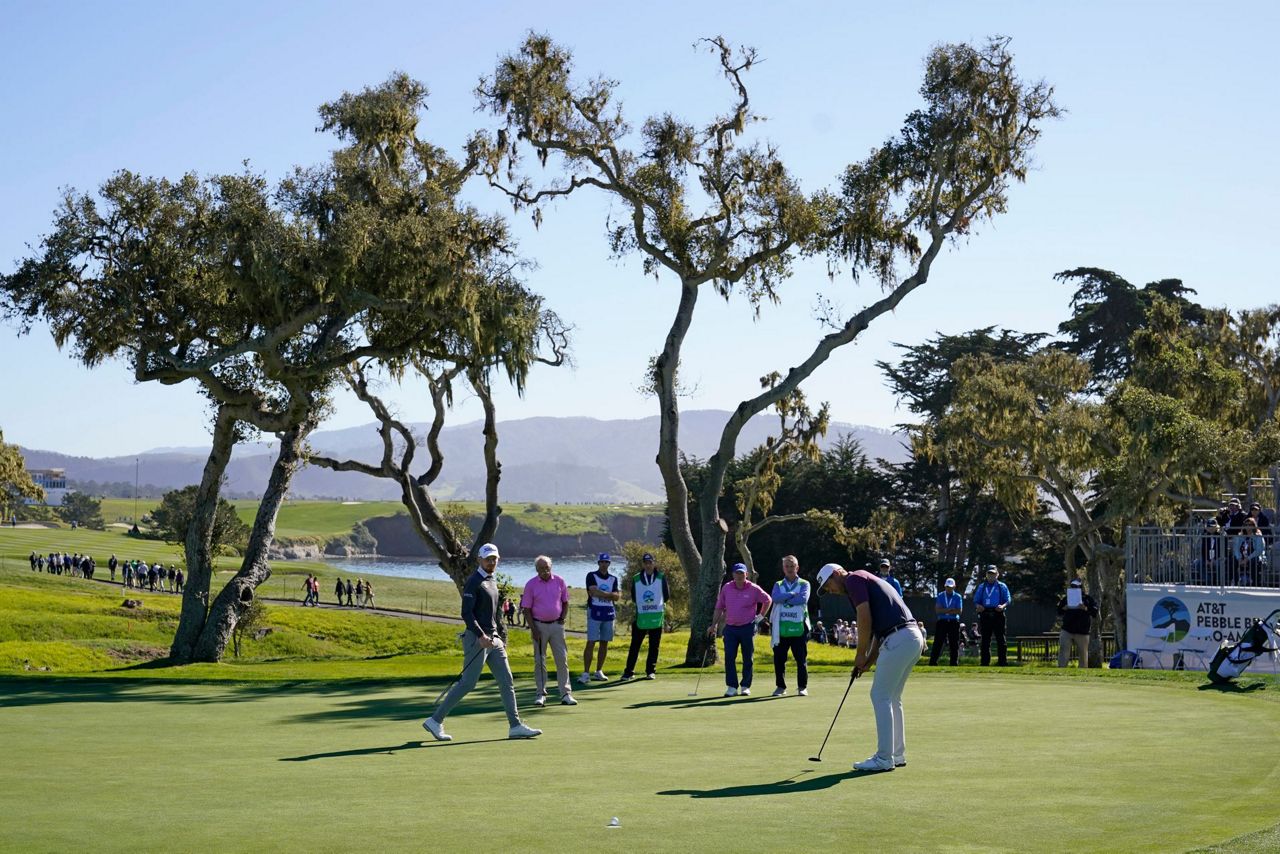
(950, 582)
(488, 550)
(826, 572)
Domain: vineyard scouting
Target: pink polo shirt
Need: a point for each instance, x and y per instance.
(739, 606)
(545, 599)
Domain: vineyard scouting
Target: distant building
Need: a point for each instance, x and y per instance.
(54, 483)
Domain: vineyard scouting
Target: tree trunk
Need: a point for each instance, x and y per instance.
(238, 594)
(199, 542)
(703, 593)
(1095, 583)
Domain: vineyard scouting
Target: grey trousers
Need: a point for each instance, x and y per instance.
(478, 656)
(552, 635)
(1065, 641)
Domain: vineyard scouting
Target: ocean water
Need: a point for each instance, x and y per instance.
(572, 570)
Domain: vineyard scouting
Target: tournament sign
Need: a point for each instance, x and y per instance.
(1226, 612)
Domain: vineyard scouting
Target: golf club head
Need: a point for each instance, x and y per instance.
(815, 758)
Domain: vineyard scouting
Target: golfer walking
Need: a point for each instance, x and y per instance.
(889, 638)
(790, 627)
(736, 610)
(483, 642)
(545, 603)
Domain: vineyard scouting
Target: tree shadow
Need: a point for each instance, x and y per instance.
(388, 750)
(1233, 687)
(791, 785)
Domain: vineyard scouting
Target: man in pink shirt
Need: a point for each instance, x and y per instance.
(545, 602)
(740, 607)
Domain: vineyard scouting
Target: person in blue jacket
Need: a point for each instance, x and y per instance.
(991, 599)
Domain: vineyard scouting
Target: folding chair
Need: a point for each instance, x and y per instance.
(1154, 642)
(1196, 649)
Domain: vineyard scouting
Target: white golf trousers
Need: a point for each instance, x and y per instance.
(898, 654)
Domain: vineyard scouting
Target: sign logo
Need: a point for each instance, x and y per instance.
(1171, 613)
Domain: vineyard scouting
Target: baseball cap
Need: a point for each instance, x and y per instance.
(647, 556)
(991, 567)
(826, 572)
(604, 556)
(885, 562)
(950, 582)
(488, 550)
(739, 567)
(1075, 582)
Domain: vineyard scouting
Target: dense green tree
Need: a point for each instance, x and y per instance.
(15, 483)
(1106, 311)
(172, 519)
(712, 211)
(81, 509)
(263, 295)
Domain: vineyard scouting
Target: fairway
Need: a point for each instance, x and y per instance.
(996, 763)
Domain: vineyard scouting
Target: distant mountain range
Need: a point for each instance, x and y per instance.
(573, 459)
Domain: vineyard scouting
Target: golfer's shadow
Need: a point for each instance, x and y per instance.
(691, 702)
(389, 750)
(791, 785)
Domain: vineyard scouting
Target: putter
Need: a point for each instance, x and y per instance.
(704, 666)
(440, 696)
(852, 677)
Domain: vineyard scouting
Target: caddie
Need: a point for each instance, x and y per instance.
(790, 627)
(650, 594)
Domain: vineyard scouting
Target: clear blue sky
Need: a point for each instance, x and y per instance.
(1165, 166)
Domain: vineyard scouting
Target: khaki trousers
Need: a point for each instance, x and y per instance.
(550, 634)
(1065, 641)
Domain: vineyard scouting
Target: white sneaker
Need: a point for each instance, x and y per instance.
(585, 678)
(436, 729)
(731, 692)
(873, 763)
(779, 692)
(524, 731)
(804, 692)
(599, 676)
(744, 692)
(540, 701)
(650, 676)
(567, 700)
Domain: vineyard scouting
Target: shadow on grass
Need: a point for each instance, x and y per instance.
(791, 785)
(389, 750)
(1233, 687)
(701, 702)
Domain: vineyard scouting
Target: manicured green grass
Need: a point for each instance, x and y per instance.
(311, 742)
(326, 766)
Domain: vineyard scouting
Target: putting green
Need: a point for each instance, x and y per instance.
(996, 763)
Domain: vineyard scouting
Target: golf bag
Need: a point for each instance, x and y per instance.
(1234, 659)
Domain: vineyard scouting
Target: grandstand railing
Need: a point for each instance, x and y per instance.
(1191, 556)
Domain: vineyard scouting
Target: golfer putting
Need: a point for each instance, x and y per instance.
(889, 638)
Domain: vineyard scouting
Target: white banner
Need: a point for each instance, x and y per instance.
(1225, 612)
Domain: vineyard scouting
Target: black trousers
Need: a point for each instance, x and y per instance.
(799, 647)
(948, 630)
(991, 622)
(651, 660)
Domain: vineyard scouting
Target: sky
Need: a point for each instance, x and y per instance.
(1164, 166)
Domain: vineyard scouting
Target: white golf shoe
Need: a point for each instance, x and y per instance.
(585, 679)
(540, 701)
(599, 676)
(522, 730)
(731, 692)
(779, 692)
(873, 763)
(804, 692)
(436, 729)
(567, 700)
(744, 692)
